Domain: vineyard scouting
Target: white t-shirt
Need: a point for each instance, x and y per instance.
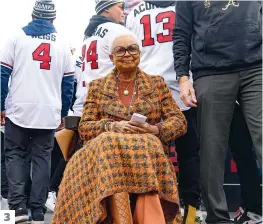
(38, 65)
(96, 61)
(154, 27)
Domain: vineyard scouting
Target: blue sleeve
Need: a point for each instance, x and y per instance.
(5, 75)
(67, 93)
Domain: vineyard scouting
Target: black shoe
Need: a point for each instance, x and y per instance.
(38, 217)
(21, 214)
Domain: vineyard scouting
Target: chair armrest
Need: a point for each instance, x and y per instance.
(71, 122)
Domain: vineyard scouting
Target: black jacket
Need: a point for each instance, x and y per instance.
(217, 38)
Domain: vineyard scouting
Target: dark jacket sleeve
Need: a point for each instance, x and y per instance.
(5, 75)
(182, 37)
(67, 93)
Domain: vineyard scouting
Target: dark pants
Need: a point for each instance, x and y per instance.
(187, 148)
(216, 99)
(240, 143)
(57, 167)
(17, 142)
(4, 182)
(57, 175)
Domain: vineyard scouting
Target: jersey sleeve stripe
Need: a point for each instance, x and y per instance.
(69, 73)
(6, 65)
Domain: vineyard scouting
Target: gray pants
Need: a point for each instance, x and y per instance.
(216, 98)
(17, 142)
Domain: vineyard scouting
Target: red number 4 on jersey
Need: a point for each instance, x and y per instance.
(91, 55)
(42, 53)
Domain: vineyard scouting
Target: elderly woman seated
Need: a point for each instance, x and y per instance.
(122, 174)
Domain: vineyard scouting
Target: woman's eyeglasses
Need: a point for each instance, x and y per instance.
(121, 51)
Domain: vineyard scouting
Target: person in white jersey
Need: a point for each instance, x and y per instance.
(57, 160)
(102, 29)
(152, 22)
(39, 63)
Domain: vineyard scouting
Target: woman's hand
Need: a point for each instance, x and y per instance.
(129, 127)
(143, 128)
(121, 127)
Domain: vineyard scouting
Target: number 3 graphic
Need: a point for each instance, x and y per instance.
(7, 217)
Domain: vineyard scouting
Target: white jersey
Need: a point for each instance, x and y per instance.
(153, 27)
(96, 61)
(78, 69)
(81, 88)
(38, 64)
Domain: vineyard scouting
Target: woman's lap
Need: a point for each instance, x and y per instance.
(109, 164)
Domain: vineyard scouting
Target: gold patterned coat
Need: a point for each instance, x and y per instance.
(114, 162)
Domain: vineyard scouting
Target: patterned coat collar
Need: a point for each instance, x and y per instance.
(145, 85)
(113, 106)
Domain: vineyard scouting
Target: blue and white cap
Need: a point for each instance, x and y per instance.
(102, 5)
(44, 9)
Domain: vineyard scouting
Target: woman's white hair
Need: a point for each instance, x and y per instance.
(122, 36)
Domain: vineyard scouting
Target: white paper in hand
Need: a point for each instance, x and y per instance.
(138, 118)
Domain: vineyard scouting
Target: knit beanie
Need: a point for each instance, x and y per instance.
(102, 5)
(44, 9)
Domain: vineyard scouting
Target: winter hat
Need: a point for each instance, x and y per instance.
(102, 5)
(44, 9)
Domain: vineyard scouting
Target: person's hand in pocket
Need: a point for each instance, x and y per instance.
(61, 126)
(3, 117)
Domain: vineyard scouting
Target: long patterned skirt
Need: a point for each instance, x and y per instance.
(109, 164)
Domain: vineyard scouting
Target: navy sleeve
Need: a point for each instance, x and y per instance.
(67, 93)
(5, 75)
(182, 34)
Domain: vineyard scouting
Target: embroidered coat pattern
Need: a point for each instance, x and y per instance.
(115, 162)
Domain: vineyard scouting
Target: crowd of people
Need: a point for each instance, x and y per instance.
(193, 69)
